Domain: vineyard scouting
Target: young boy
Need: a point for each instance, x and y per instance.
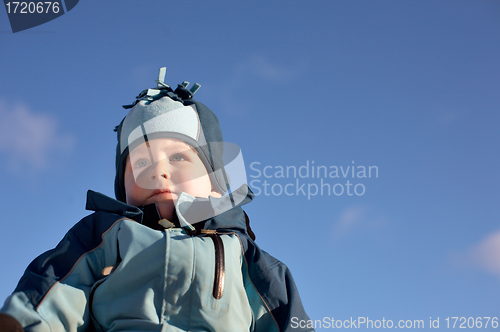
(174, 252)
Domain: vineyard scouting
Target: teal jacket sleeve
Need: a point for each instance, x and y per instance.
(53, 293)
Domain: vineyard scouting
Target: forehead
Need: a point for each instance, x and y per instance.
(162, 144)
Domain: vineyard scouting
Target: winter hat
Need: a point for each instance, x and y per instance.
(164, 113)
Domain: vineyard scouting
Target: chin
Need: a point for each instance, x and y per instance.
(166, 211)
(162, 198)
(164, 202)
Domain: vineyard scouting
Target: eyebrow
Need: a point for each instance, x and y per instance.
(180, 146)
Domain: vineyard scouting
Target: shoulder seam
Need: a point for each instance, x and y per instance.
(77, 261)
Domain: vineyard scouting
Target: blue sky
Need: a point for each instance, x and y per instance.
(410, 87)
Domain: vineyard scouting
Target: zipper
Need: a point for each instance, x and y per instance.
(220, 270)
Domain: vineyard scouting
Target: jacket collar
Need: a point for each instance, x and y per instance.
(218, 213)
(223, 212)
(99, 202)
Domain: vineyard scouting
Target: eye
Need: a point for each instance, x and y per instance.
(177, 157)
(142, 163)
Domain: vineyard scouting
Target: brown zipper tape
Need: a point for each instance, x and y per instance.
(220, 270)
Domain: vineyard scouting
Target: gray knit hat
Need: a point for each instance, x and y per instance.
(164, 113)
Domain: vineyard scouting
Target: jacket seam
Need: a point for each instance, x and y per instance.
(78, 261)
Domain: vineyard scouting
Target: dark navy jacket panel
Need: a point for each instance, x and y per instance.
(274, 282)
(54, 265)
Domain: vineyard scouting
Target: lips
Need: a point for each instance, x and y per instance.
(160, 191)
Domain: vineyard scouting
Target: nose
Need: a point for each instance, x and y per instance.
(159, 171)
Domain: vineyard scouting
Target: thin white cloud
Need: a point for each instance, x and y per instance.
(251, 70)
(261, 67)
(357, 218)
(447, 113)
(486, 254)
(351, 216)
(30, 137)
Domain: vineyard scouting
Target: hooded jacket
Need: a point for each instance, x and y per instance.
(114, 272)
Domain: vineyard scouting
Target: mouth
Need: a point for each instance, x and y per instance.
(160, 191)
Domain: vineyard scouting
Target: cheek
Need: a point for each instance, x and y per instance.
(202, 186)
(193, 182)
(132, 191)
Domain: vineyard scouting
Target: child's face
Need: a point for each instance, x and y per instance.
(159, 170)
